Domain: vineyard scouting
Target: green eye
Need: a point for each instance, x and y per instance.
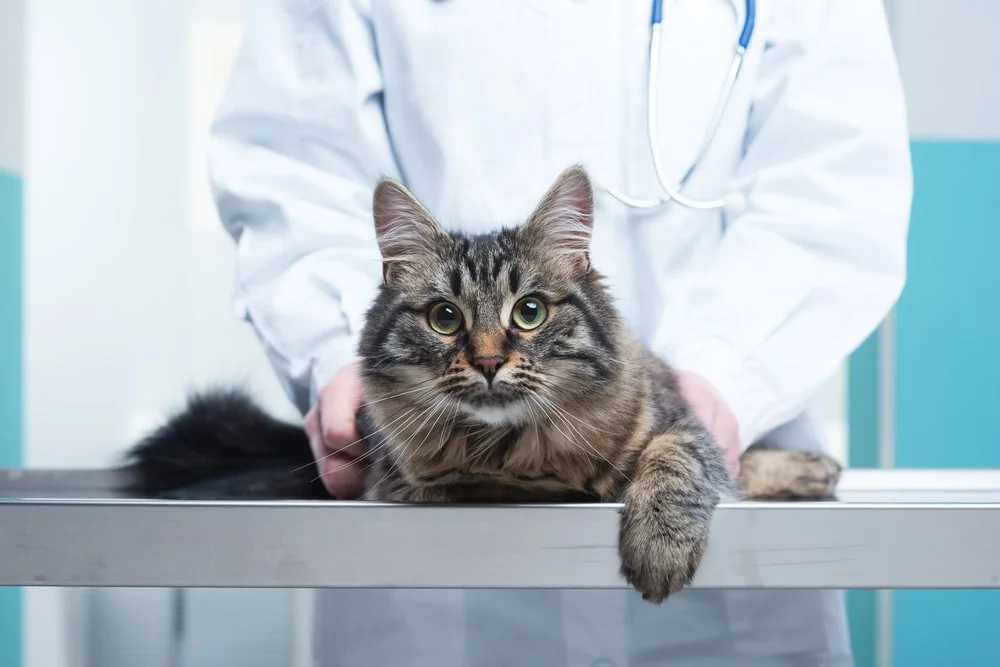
(445, 318)
(529, 313)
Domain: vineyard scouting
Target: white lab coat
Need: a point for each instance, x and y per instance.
(477, 106)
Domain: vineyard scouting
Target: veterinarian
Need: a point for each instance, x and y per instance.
(754, 235)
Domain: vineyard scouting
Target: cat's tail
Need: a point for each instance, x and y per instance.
(222, 445)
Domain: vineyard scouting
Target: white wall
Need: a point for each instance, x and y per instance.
(127, 291)
(952, 92)
(128, 276)
(11, 85)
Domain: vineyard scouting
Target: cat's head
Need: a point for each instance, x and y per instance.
(496, 327)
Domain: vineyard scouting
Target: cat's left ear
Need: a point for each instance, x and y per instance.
(562, 222)
(405, 230)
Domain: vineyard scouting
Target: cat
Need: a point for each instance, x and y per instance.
(495, 368)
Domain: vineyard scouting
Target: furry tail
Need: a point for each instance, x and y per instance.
(221, 445)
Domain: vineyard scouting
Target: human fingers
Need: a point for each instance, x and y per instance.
(333, 435)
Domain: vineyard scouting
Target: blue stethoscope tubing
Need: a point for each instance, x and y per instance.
(730, 201)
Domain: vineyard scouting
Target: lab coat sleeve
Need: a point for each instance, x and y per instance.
(817, 258)
(297, 146)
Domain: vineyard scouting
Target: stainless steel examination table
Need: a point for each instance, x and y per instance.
(891, 529)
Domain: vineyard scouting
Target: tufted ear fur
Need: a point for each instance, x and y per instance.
(404, 229)
(563, 220)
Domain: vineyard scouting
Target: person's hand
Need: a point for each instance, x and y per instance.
(715, 414)
(333, 434)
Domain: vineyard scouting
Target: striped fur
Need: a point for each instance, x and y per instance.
(579, 409)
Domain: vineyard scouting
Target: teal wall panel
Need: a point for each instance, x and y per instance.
(948, 345)
(11, 208)
(861, 619)
(863, 404)
(946, 628)
(862, 444)
(948, 365)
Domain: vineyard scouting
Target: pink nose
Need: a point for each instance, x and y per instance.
(489, 365)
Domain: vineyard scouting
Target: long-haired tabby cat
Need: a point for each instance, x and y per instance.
(496, 368)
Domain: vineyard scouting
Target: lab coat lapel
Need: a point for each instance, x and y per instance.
(698, 38)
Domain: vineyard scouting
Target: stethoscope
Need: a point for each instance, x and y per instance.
(731, 201)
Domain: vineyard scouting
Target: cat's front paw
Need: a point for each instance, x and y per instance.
(818, 476)
(660, 549)
(770, 473)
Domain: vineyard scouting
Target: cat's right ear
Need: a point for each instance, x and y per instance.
(404, 229)
(563, 220)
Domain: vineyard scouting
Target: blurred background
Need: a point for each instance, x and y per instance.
(115, 283)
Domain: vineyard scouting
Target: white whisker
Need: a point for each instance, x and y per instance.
(559, 412)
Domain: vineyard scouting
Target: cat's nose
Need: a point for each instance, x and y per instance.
(489, 365)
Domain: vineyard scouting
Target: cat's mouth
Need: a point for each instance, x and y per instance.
(496, 407)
